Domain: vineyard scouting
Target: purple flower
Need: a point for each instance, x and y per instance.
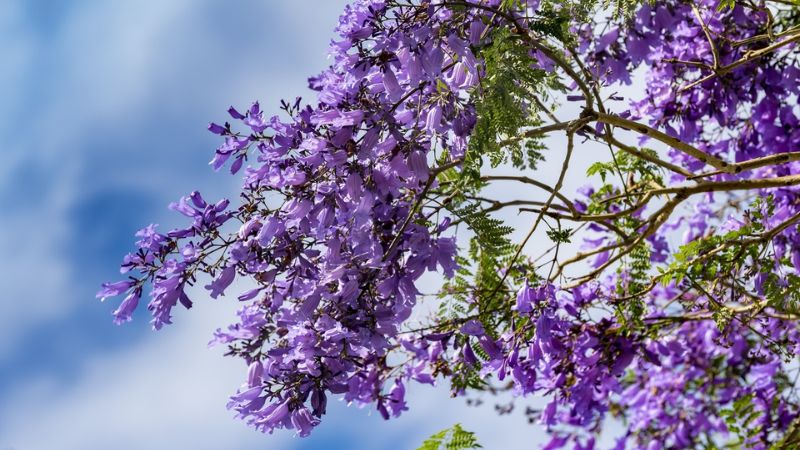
(273, 416)
(419, 165)
(549, 413)
(114, 289)
(396, 403)
(526, 298)
(392, 86)
(338, 118)
(127, 307)
(218, 286)
(235, 114)
(434, 119)
(150, 239)
(303, 421)
(254, 374)
(218, 129)
(472, 328)
(167, 291)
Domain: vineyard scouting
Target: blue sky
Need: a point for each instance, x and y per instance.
(102, 119)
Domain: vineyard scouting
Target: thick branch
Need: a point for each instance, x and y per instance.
(664, 138)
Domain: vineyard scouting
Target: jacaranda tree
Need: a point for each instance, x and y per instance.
(680, 321)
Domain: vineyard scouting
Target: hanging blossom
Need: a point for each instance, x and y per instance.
(323, 226)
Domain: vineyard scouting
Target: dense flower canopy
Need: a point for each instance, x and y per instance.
(679, 318)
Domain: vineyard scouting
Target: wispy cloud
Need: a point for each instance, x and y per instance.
(167, 392)
(53, 99)
(114, 97)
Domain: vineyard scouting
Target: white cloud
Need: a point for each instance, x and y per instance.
(42, 163)
(167, 392)
(101, 67)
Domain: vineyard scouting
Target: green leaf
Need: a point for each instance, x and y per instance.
(454, 438)
(726, 4)
(560, 236)
(504, 105)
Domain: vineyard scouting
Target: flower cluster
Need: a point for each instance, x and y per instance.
(348, 201)
(327, 227)
(712, 81)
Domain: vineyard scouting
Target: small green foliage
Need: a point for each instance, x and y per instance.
(454, 438)
(600, 168)
(553, 23)
(490, 234)
(441, 86)
(503, 104)
(477, 276)
(740, 419)
(477, 290)
(726, 4)
(627, 164)
(622, 8)
(560, 236)
(637, 269)
(506, 5)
